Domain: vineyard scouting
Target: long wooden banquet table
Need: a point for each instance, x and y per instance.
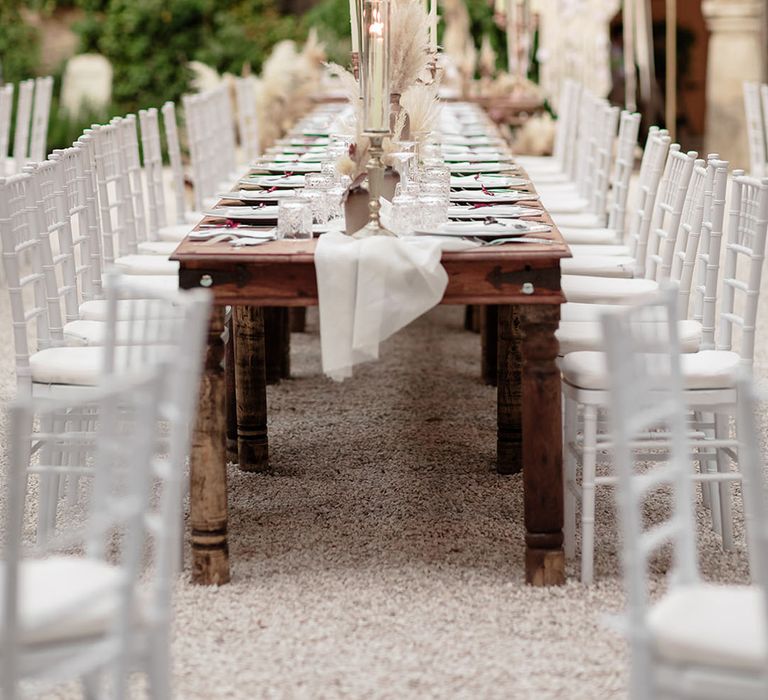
(518, 284)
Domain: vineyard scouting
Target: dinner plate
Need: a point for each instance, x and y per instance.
(494, 196)
(293, 167)
(463, 167)
(467, 157)
(478, 182)
(508, 229)
(258, 195)
(308, 157)
(286, 181)
(267, 213)
(504, 211)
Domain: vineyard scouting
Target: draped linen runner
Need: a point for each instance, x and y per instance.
(370, 288)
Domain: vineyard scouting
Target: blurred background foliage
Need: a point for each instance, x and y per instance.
(151, 42)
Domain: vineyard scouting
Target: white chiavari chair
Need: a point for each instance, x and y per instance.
(645, 239)
(756, 130)
(698, 640)
(247, 121)
(611, 205)
(709, 376)
(6, 109)
(23, 117)
(70, 607)
(561, 161)
(676, 263)
(41, 111)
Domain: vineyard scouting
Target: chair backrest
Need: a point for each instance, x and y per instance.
(654, 260)
(41, 112)
(248, 124)
(764, 102)
(174, 156)
(756, 135)
(754, 486)
(82, 206)
(743, 264)
(194, 117)
(651, 167)
(27, 290)
(153, 169)
(698, 212)
(23, 116)
(572, 129)
(116, 215)
(177, 321)
(646, 393)
(130, 157)
(127, 431)
(707, 268)
(603, 155)
(6, 109)
(590, 110)
(623, 166)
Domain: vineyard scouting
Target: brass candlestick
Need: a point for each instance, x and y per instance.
(375, 168)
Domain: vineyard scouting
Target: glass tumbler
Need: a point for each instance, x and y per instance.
(405, 214)
(294, 218)
(433, 211)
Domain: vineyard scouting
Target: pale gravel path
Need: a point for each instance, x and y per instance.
(382, 558)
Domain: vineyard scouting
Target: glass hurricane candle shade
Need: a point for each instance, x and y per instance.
(375, 66)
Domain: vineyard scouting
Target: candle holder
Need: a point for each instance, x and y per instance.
(375, 168)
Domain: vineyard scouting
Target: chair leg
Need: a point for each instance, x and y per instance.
(48, 484)
(711, 468)
(702, 465)
(588, 464)
(724, 487)
(158, 670)
(570, 420)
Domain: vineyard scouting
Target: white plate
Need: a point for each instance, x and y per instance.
(477, 182)
(464, 167)
(495, 230)
(258, 195)
(310, 157)
(268, 213)
(286, 181)
(503, 211)
(296, 167)
(498, 197)
(468, 157)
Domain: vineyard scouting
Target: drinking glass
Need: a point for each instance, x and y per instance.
(439, 175)
(405, 214)
(294, 218)
(316, 186)
(433, 211)
(334, 206)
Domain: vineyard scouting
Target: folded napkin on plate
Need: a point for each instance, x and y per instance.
(369, 289)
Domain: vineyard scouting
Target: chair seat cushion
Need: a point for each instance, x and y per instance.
(157, 248)
(83, 333)
(65, 598)
(599, 266)
(147, 265)
(575, 336)
(67, 365)
(580, 220)
(550, 178)
(706, 369)
(588, 236)
(548, 164)
(721, 626)
(607, 290)
(579, 250)
(96, 309)
(177, 232)
(585, 312)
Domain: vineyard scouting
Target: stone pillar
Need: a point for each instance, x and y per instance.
(736, 55)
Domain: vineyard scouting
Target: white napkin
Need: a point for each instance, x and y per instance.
(369, 289)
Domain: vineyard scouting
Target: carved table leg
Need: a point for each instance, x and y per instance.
(208, 468)
(278, 347)
(489, 325)
(298, 319)
(509, 445)
(229, 366)
(252, 444)
(468, 310)
(542, 446)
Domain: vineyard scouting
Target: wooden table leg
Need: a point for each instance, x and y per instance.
(208, 468)
(278, 344)
(468, 311)
(542, 446)
(489, 326)
(509, 444)
(298, 316)
(250, 379)
(229, 366)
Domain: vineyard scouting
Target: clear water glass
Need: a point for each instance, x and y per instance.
(433, 211)
(335, 206)
(405, 214)
(438, 175)
(294, 218)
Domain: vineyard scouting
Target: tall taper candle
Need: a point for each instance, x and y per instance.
(433, 26)
(376, 57)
